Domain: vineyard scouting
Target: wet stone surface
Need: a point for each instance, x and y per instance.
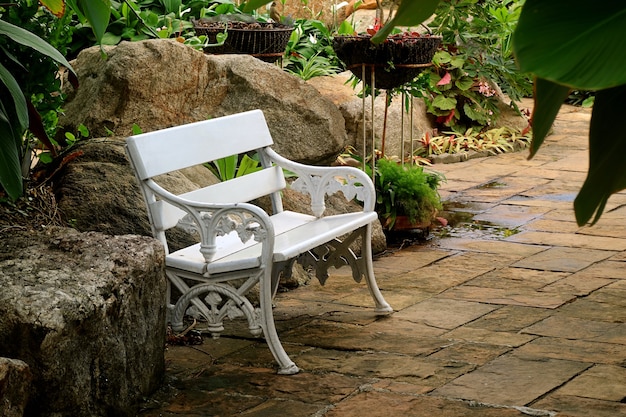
(511, 310)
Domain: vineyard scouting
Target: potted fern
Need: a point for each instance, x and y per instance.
(406, 195)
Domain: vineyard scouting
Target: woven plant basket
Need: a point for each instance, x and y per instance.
(266, 41)
(396, 61)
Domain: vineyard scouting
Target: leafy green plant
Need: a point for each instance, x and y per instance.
(476, 59)
(492, 141)
(17, 113)
(405, 190)
(456, 98)
(234, 166)
(567, 45)
(309, 52)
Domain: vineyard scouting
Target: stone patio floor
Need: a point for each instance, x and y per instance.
(521, 313)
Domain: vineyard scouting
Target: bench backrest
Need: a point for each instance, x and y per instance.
(184, 146)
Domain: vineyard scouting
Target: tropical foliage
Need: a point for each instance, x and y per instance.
(567, 44)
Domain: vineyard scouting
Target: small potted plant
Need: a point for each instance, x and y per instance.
(232, 30)
(406, 195)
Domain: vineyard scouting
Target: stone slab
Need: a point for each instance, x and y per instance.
(563, 259)
(571, 406)
(579, 329)
(383, 404)
(509, 296)
(570, 240)
(444, 313)
(15, 386)
(574, 350)
(511, 381)
(601, 382)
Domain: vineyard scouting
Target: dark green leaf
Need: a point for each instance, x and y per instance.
(549, 97)
(19, 101)
(97, 13)
(26, 38)
(255, 4)
(444, 103)
(607, 150)
(10, 169)
(577, 43)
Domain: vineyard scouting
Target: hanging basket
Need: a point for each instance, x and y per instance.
(396, 61)
(266, 41)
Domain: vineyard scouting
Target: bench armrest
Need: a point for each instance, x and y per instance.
(320, 181)
(213, 220)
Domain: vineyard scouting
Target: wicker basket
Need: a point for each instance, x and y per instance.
(266, 41)
(409, 55)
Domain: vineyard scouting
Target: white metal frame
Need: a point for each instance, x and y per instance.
(240, 242)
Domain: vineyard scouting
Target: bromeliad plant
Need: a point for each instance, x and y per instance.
(492, 141)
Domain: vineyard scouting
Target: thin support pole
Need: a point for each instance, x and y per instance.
(402, 128)
(364, 124)
(373, 91)
(411, 137)
(384, 135)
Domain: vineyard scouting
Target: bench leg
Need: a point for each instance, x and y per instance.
(205, 296)
(286, 365)
(338, 253)
(382, 307)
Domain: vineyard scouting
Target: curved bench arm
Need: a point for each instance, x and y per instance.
(320, 181)
(214, 220)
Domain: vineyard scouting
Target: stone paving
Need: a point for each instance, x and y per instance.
(518, 312)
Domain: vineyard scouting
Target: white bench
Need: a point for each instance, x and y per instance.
(240, 242)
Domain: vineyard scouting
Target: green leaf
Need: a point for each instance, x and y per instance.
(549, 97)
(19, 101)
(409, 13)
(226, 167)
(110, 39)
(33, 41)
(98, 13)
(444, 103)
(577, 43)
(248, 166)
(464, 83)
(56, 7)
(10, 169)
(254, 4)
(607, 147)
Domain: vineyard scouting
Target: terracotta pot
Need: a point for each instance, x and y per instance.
(403, 223)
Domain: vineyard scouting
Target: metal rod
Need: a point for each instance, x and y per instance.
(373, 91)
(411, 118)
(364, 124)
(402, 128)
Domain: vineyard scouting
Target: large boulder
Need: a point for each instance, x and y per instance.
(15, 379)
(155, 84)
(86, 312)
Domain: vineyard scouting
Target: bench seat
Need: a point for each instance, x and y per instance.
(295, 233)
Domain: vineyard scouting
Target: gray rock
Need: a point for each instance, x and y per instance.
(15, 379)
(161, 83)
(85, 311)
(396, 131)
